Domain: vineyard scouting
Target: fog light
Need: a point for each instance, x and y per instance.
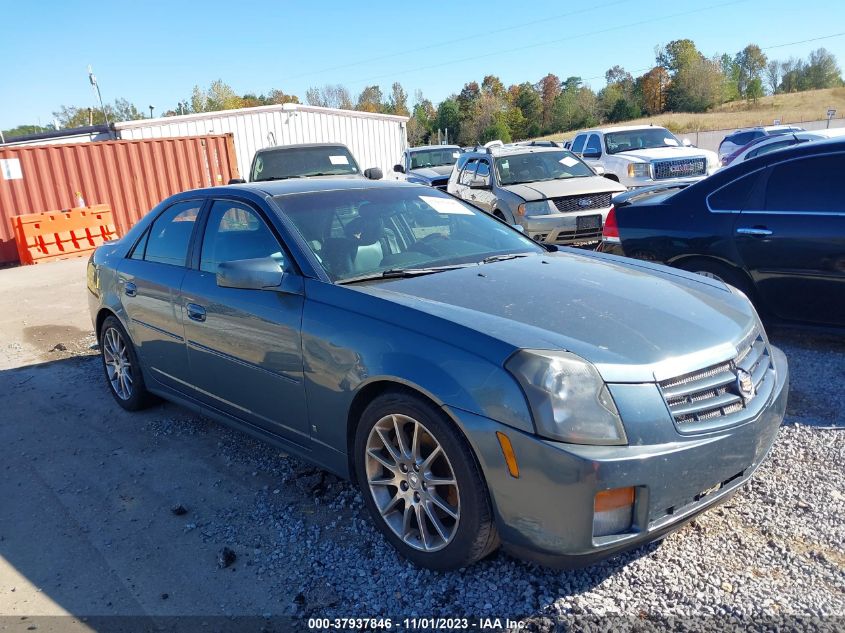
(613, 511)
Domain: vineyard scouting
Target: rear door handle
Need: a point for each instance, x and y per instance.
(195, 312)
(130, 289)
(757, 231)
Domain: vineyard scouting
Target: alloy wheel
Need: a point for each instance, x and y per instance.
(118, 364)
(412, 483)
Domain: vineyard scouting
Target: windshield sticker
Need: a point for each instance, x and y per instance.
(456, 154)
(670, 141)
(568, 161)
(339, 160)
(446, 205)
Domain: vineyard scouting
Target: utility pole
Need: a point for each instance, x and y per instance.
(151, 111)
(96, 87)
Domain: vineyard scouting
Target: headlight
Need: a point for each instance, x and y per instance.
(639, 170)
(540, 207)
(568, 398)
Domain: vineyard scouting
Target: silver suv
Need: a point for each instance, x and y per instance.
(550, 192)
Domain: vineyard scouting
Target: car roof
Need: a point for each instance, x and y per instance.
(311, 185)
(300, 146)
(511, 150)
(422, 147)
(623, 128)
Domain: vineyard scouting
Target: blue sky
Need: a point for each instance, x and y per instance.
(155, 52)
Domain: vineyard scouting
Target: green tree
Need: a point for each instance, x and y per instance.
(751, 62)
(398, 103)
(531, 105)
(449, 118)
(74, 116)
(492, 85)
(822, 71)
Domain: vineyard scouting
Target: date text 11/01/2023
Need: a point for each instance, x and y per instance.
(414, 624)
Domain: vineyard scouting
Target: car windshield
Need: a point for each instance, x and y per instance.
(434, 157)
(369, 233)
(648, 138)
(302, 162)
(536, 166)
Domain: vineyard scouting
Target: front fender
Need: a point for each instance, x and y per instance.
(346, 350)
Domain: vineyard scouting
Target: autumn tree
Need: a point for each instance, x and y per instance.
(370, 100)
(655, 85)
(548, 88)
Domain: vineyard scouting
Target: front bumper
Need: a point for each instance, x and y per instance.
(547, 513)
(562, 228)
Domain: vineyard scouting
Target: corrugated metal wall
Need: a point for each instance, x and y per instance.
(130, 176)
(376, 140)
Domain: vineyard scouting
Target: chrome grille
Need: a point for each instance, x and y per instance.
(583, 202)
(711, 396)
(680, 168)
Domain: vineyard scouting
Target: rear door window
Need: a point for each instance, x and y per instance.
(468, 172)
(820, 190)
(578, 143)
(171, 233)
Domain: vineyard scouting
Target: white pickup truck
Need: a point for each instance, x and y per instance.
(642, 155)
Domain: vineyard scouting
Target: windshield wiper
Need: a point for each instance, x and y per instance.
(277, 178)
(501, 258)
(398, 273)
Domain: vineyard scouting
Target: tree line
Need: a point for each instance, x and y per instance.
(682, 79)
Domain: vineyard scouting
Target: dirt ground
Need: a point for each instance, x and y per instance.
(88, 492)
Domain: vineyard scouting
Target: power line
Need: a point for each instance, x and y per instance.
(455, 41)
(500, 52)
(813, 39)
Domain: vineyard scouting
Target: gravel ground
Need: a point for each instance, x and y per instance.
(775, 549)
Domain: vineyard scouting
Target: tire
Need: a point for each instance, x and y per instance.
(399, 489)
(121, 367)
(720, 272)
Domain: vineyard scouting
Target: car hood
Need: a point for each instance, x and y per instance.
(637, 322)
(431, 172)
(567, 187)
(658, 153)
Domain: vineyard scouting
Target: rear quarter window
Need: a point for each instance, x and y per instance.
(734, 195)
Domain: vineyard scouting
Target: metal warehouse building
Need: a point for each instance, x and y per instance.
(376, 140)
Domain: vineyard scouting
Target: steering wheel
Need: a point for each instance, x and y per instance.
(425, 243)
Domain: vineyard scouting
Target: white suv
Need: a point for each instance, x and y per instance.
(642, 155)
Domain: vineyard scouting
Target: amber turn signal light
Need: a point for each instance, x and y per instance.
(507, 451)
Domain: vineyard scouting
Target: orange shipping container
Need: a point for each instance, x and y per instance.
(131, 177)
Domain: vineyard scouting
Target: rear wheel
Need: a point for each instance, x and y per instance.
(421, 484)
(719, 272)
(121, 367)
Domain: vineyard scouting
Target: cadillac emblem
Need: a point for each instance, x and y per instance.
(745, 384)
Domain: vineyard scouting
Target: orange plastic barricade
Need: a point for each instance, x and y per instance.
(62, 234)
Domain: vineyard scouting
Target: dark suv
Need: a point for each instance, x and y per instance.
(311, 160)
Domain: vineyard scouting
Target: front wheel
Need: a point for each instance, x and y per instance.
(421, 484)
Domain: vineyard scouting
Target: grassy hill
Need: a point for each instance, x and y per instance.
(795, 107)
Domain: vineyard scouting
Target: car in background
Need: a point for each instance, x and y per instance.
(548, 191)
(309, 160)
(642, 155)
(429, 164)
(462, 375)
(740, 138)
(766, 144)
(772, 226)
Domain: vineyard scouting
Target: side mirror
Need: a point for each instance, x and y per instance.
(686, 142)
(262, 273)
(399, 169)
(236, 181)
(519, 228)
(591, 155)
(479, 182)
(599, 170)
(374, 173)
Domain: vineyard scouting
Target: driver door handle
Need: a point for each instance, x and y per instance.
(195, 312)
(757, 231)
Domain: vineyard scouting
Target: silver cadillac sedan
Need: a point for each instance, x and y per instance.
(481, 389)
